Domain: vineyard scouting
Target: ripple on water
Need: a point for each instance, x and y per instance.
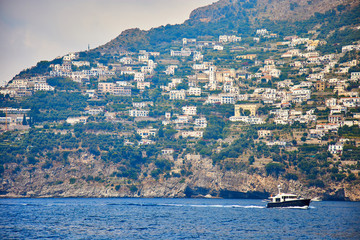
(174, 219)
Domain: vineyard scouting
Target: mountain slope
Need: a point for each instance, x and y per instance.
(243, 17)
(106, 157)
(267, 9)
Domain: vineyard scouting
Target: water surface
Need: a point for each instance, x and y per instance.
(118, 218)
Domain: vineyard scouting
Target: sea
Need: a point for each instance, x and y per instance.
(137, 218)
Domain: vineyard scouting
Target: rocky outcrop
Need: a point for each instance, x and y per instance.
(206, 180)
(276, 10)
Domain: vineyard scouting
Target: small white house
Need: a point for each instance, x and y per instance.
(167, 151)
(336, 148)
(75, 120)
(189, 110)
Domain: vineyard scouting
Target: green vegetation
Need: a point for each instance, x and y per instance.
(41, 68)
(72, 180)
(274, 169)
(63, 83)
(49, 106)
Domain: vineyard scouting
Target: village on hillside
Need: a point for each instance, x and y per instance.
(283, 86)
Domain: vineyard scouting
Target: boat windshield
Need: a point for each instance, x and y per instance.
(289, 197)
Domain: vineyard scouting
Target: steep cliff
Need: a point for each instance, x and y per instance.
(86, 176)
(293, 10)
(236, 17)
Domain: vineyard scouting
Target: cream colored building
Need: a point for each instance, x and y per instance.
(251, 107)
(177, 94)
(105, 87)
(147, 132)
(264, 133)
(189, 110)
(192, 134)
(74, 120)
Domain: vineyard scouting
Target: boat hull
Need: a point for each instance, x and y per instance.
(294, 203)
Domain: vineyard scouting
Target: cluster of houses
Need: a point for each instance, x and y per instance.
(212, 85)
(26, 87)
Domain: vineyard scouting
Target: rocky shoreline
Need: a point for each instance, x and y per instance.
(207, 181)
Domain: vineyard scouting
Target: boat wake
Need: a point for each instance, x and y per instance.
(211, 206)
(149, 205)
(295, 207)
(185, 205)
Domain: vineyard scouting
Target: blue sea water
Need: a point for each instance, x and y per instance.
(118, 218)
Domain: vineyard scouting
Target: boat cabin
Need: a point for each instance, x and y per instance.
(283, 197)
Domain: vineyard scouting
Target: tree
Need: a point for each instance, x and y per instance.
(24, 122)
(133, 189)
(247, 112)
(274, 168)
(63, 83)
(251, 160)
(161, 132)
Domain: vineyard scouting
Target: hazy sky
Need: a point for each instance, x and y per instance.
(34, 30)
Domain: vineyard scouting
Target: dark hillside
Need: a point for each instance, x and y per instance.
(244, 17)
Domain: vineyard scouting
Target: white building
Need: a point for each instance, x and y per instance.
(74, 120)
(126, 60)
(189, 110)
(144, 58)
(143, 85)
(178, 94)
(212, 76)
(262, 32)
(336, 148)
(167, 115)
(277, 143)
(147, 132)
(170, 70)
(94, 111)
(213, 99)
(350, 48)
(105, 87)
(300, 94)
(167, 151)
(70, 56)
(147, 69)
(326, 127)
(264, 133)
(200, 66)
(355, 76)
(198, 56)
(182, 53)
(182, 120)
(275, 73)
(142, 104)
(226, 38)
(138, 113)
(247, 119)
(194, 91)
(331, 102)
(218, 48)
(201, 122)
(338, 109)
(139, 77)
(80, 63)
(192, 134)
(350, 102)
(187, 41)
(227, 98)
(43, 87)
